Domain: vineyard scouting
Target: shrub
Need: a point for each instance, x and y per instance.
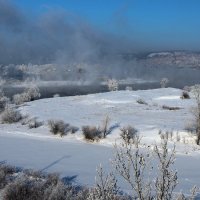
(23, 189)
(91, 133)
(10, 115)
(29, 94)
(74, 129)
(129, 134)
(33, 92)
(164, 82)
(128, 88)
(141, 101)
(33, 123)
(56, 95)
(5, 171)
(170, 107)
(3, 102)
(105, 127)
(185, 95)
(19, 99)
(105, 187)
(113, 85)
(58, 127)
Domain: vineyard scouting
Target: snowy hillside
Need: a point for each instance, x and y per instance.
(72, 156)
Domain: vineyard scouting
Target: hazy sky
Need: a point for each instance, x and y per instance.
(42, 31)
(151, 24)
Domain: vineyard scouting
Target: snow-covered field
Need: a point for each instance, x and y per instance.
(74, 158)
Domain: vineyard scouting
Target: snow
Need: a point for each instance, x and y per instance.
(72, 156)
(159, 54)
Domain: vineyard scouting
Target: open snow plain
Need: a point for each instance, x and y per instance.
(76, 159)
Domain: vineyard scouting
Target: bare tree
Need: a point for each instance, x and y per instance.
(167, 179)
(164, 82)
(131, 165)
(105, 188)
(113, 85)
(134, 166)
(196, 111)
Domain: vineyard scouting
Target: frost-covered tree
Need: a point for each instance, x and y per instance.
(31, 93)
(167, 179)
(113, 85)
(105, 186)
(164, 82)
(196, 111)
(134, 166)
(131, 165)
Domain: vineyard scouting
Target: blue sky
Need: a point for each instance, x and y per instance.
(158, 24)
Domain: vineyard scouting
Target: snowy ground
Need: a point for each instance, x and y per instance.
(77, 159)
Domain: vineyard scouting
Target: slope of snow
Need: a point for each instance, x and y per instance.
(72, 156)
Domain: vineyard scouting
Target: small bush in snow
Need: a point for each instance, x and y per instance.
(113, 85)
(58, 127)
(19, 99)
(185, 95)
(29, 94)
(33, 92)
(128, 88)
(56, 95)
(141, 101)
(33, 123)
(10, 115)
(21, 189)
(170, 107)
(91, 133)
(73, 129)
(3, 102)
(105, 127)
(5, 172)
(164, 82)
(129, 134)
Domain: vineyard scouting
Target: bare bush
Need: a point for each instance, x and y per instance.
(134, 167)
(167, 179)
(5, 172)
(170, 107)
(19, 99)
(23, 189)
(34, 123)
(166, 135)
(129, 134)
(112, 85)
(33, 92)
(3, 102)
(164, 82)
(141, 101)
(91, 133)
(128, 88)
(10, 115)
(105, 186)
(29, 94)
(185, 95)
(131, 165)
(58, 127)
(105, 126)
